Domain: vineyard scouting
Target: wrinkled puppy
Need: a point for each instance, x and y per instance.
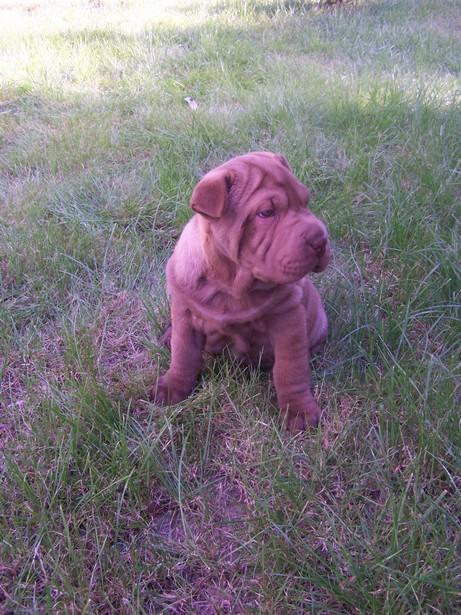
(236, 279)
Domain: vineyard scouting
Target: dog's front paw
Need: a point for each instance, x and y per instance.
(165, 393)
(299, 419)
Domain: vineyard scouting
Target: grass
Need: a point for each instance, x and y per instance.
(111, 505)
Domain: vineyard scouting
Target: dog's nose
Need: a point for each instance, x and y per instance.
(320, 245)
(318, 242)
(315, 236)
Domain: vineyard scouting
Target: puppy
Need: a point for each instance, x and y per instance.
(237, 279)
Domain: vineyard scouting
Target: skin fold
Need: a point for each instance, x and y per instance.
(237, 279)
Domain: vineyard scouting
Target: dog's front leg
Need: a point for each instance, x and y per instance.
(186, 358)
(291, 369)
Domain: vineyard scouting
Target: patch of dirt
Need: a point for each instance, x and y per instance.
(209, 530)
(24, 375)
(121, 329)
(44, 364)
(6, 278)
(124, 363)
(333, 425)
(423, 339)
(375, 269)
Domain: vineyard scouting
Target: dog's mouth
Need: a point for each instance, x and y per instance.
(322, 263)
(315, 259)
(291, 268)
(296, 269)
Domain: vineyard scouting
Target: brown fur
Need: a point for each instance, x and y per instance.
(237, 279)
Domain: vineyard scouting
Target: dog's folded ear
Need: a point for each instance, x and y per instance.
(210, 196)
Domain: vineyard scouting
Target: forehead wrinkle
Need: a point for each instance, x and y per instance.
(254, 183)
(251, 179)
(248, 180)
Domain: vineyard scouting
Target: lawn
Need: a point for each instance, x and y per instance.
(109, 504)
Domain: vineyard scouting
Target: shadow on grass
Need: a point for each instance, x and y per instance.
(130, 160)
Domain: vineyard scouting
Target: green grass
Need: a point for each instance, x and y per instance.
(111, 505)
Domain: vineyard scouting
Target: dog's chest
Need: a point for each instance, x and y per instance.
(228, 323)
(244, 340)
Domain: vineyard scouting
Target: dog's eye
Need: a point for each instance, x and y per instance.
(266, 213)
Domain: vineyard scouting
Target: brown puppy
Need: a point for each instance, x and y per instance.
(236, 279)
